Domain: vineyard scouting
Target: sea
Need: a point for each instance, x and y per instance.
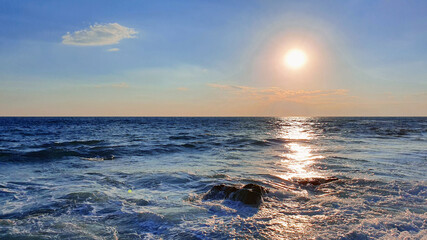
(145, 177)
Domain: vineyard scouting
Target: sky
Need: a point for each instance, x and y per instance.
(212, 58)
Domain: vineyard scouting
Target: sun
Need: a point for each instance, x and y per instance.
(295, 58)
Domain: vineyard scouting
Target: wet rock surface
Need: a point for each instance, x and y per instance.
(250, 194)
(316, 181)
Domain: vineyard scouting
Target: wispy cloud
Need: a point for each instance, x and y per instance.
(113, 49)
(182, 89)
(98, 35)
(278, 94)
(113, 85)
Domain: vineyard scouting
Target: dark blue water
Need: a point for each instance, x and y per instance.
(69, 178)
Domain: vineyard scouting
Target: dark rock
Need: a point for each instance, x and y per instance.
(220, 192)
(250, 194)
(316, 181)
(256, 188)
(247, 196)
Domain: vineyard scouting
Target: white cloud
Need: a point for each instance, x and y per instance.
(98, 35)
(113, 50)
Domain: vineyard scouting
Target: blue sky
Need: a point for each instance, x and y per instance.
(212, 58)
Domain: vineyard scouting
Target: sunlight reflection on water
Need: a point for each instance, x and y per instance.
(291, 224)
(50, 190)
(299, 159)
(296, 162)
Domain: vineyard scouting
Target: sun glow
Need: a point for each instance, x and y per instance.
(295, 59)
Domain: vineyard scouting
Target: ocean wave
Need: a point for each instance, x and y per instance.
(406, 225)
(169, 164)
(154, 181)
(73, 143)
(183, 137)
(92, 197)
(241, 142)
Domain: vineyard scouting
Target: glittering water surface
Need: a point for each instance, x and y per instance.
(69, 178)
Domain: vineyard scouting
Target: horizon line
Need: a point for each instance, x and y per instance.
(199, 116)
